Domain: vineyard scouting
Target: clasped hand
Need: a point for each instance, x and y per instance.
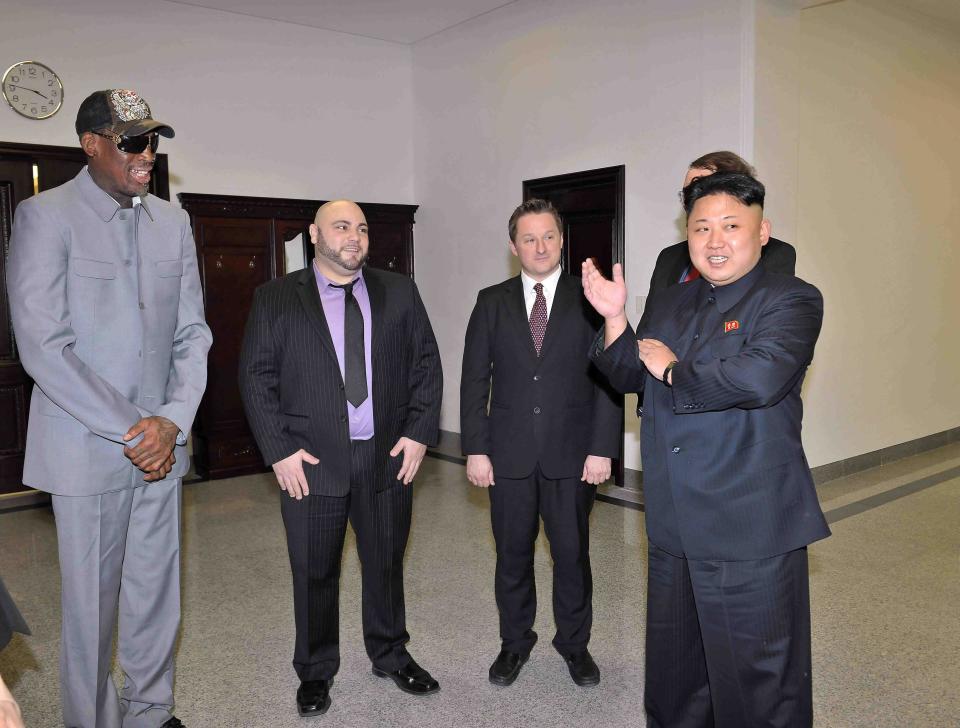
(154, 453)
(655, 356)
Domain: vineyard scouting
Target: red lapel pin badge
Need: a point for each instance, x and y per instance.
(729, 326)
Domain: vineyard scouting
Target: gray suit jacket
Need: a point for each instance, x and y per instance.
(110, 332)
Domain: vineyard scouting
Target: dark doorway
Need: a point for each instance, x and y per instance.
(592, 207)
(25, 170)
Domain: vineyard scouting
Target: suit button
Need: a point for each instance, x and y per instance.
(675, 450)
(536, 410)
(696, 336)
(536, 377)
(712, 299)
(343, 418)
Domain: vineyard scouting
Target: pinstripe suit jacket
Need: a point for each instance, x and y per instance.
(724, 472)
(293, 391)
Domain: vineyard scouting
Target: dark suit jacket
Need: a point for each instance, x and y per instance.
(292, 388)
(724, 472)
(776, 256)
(554, 409)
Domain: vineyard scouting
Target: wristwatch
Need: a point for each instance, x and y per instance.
(666, 371)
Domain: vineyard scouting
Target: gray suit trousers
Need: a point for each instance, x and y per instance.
(119, 550)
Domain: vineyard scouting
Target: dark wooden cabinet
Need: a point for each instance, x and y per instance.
(26, 169)
(240, 245)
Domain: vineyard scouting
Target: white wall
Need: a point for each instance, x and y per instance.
(858, 107)
(542, 87)
(259, 107)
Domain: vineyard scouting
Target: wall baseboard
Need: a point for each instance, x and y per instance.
(449, 448)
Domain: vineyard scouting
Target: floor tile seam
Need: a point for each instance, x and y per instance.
(885, 484)
(879, 499)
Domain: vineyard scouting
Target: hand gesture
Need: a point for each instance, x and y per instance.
(290, 474)
(161, 472)
(159, 439)
(480, 470)
(655, 356)
(595, 469)
(413, 453)
(607, 297)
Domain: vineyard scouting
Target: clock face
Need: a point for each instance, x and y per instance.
(33, 90)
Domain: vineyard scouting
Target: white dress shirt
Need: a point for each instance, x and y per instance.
(549, 290)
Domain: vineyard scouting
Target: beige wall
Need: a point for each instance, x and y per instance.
(858, 107)
(259, 107)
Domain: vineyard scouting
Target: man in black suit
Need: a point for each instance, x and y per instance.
(730, 503)
(341, 380)
(673, 264)
(552, 428)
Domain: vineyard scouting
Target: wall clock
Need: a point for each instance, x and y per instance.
(33, 90)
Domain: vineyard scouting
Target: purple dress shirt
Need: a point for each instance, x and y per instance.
(332, 298)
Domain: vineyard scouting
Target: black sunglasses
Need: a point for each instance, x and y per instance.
(132, 144)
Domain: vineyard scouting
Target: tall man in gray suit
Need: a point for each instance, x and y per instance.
(341, 381)
(108, 314)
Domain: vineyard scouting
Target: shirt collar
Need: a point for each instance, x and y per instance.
(324, 283)
(549, 283)
(729, 295)
(103, 204)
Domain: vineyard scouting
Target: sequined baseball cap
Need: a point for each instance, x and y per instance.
(122, 111)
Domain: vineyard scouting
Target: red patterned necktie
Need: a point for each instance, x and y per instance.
(538, 318)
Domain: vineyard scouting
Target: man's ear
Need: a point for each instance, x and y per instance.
(314, 233)
(513, 248)
(765, 228)
(88, 142)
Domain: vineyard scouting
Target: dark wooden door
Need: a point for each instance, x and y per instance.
(592, 207)
(26, 169)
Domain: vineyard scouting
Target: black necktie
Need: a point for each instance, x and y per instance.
(354, 359)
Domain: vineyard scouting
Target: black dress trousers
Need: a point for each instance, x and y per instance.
(728, 642)
(516, 506)
(316, 526)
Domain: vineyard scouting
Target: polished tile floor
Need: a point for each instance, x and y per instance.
(885, 599)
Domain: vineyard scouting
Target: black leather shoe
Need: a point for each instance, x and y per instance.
(411, 678)
(313, 697)
(506, 667)
(173, 722)
(583, 669)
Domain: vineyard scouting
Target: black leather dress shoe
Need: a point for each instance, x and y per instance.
(173, 722)
(583, 669)
(313, 697)
(506, 667)
(411, 678)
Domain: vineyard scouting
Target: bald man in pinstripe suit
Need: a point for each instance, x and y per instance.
(341, 380)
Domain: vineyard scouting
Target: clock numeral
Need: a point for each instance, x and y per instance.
(16, 98)
(15, 79)
(43, 109)
(32, 71)
(53, 94)
(49, 81)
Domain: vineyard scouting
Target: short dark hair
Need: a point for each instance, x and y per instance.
(723, 161)
(741, 186)
(533, 206)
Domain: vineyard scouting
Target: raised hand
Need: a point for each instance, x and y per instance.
(606, 296)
